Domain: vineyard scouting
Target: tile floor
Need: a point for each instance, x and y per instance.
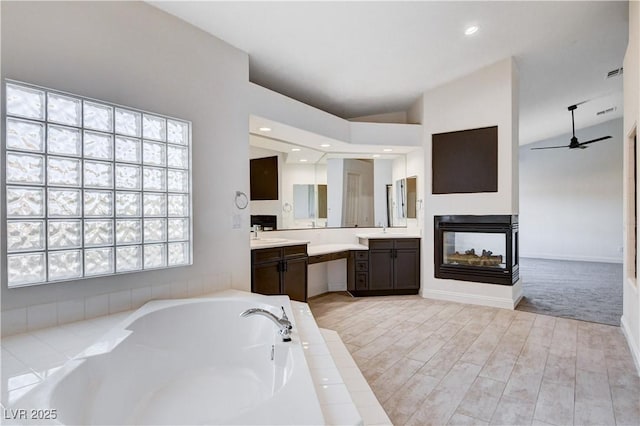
(435, 362)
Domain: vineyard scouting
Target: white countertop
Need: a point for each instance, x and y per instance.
(376, 235)
(275, 242)
(317, 249)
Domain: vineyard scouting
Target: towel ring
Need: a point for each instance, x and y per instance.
(242, 201)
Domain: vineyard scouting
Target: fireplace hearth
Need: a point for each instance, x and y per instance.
(481, 249)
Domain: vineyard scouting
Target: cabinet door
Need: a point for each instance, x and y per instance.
(295, 279)
(407, 269)
(362, 281)
(265, 278)
(380, 269)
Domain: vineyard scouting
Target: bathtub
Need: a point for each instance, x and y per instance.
(191, 361)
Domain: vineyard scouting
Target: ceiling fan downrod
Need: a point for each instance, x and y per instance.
(574, 141)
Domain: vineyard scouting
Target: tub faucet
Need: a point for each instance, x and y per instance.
(284, 325)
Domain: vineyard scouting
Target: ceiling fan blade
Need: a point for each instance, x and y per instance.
(551, 147)
(595, 140)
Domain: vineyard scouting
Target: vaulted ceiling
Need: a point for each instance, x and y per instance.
(357, 58)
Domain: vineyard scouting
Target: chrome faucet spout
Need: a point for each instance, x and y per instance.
(283, 324)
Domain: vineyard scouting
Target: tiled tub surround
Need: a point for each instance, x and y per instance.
(30, 358)
(345, 395)
(437, 362)
(38, 316)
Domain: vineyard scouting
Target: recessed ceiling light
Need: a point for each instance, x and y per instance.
(471, 30)
(295, 149)
(376, 155)
(325, 145)
(264, 129)
(387, 150)
(303, 160)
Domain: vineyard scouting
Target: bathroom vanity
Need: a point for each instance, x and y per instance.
(391, 265)
(279, 267)
(380, 264)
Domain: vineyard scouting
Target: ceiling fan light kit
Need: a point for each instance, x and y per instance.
(574, 140)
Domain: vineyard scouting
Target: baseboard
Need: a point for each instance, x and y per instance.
(474, 299)
(519, 295)
(547, 256)
(633, 344)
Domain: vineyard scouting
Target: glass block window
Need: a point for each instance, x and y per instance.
(92, 188)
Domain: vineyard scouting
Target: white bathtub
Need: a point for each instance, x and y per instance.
(191, 361)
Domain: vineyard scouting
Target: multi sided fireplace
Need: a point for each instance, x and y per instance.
(477, 248)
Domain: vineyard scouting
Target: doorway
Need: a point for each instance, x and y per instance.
(571, 226)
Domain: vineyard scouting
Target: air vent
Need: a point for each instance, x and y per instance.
(606, 111)
(614, 73)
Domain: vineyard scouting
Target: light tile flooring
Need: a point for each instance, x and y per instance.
(436, 362)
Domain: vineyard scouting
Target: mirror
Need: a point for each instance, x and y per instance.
(406, 196)
(331, 189)
(304, 201)
(412, 197)
(309, 201)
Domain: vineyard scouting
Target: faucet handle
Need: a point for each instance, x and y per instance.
(284, 314)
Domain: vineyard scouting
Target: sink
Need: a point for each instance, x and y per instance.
(275, 242)
(387, 235)
(268, 240)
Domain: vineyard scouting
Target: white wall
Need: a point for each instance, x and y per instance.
(399, 117)
(630, 321)
(385, 134)
(415, 111)
(274, 106)
(571, 200)
(133, 54)
(487, 97)
(415, 167)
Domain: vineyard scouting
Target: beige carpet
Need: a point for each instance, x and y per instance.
(588, 291)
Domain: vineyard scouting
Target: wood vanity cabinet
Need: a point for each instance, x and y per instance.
(280, 270)
(358, 271)
(392, 267)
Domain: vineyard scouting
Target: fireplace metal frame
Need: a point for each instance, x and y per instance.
(501, 224)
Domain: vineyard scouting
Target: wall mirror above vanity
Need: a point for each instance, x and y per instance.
(325, 183)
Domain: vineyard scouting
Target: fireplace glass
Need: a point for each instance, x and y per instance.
(474, 249)
(477, 248)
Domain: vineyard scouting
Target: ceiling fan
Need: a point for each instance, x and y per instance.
(574, 141)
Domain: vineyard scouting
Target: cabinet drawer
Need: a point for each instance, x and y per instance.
(407, 243)
(295, 251)
(320, 258)
(362, 265)
(382, 244)
(362, 255)
(340, 255)
(266, 255)
(362, 281)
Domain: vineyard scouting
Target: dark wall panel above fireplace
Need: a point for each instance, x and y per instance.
(465, 161)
